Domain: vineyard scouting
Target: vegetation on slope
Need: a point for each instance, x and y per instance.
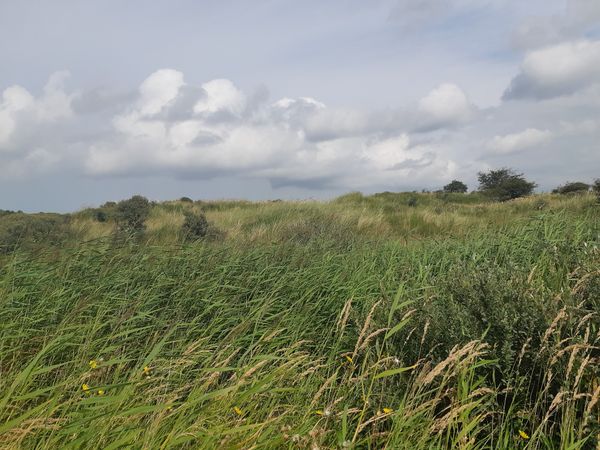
(358, 323)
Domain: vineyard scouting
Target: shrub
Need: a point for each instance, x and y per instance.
(504, 184)
(412, 202)
(132, 213)
(195, 225)
(6, 212)
(186, 200)
(576, 187)
(456, 186)
(596, 188)
(100, 215)
(25, 230)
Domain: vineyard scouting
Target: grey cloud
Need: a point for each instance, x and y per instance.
(182, 107)
(577, 19)
(101, 100)
(561, 69)
(417, 163)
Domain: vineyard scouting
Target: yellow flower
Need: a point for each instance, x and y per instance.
(93, 364)
(100, 391)
(85, 387)
(388, 410)
(318, 412)
(146, 370)
(237, 410)
(349, 359)
(523, 434)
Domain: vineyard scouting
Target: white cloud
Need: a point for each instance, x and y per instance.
(557, 70)
(221, 95)
(446, 104)
(291, 141)
(17, 105)
(531, 137)
(158, 90)
(28, 125)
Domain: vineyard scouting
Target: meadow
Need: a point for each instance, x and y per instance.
(396, 320)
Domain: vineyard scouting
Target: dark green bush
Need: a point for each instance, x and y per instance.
(32, 230)
(504, 184)
(576, 187)
(456, 186)
(186, 200)
(195, 226)
(132, 214)
(412, 202)
(5, 212)
(596, 188)
(100, 215)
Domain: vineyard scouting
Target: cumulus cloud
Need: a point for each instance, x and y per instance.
(172, 127)
(221, 95)
(288, 140)
(446, 105)
(531, 137)
(557, 70)
(28, 127)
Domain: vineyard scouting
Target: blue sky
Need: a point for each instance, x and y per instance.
(286, 99)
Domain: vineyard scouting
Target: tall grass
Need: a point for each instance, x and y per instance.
(330, 328)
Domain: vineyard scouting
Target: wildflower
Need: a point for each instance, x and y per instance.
(100, 391)
(319, 412)
(146, 371)
(237, 410)
(349, 359)
(388, 410)
(397, 360)
(325, 413)
(85, 387)
(523, 434)
(93, 364)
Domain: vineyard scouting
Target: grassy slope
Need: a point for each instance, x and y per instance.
(357, 323)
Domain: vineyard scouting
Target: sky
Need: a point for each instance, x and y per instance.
(101, 100)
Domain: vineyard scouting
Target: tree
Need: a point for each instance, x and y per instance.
(504, 184)
(576, 187)
(596, 188)
(132, 213)
(456, 186)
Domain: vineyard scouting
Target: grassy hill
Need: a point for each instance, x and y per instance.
(400, 321)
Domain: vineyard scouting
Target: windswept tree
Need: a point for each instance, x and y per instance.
(504, 184)
(596, 188)
(575, 187)
(132, 214)
(456, 186)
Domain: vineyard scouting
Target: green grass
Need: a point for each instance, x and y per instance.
(358, 323)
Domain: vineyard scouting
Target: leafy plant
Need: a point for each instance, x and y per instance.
(504, 184)
(456, 186)
(576, 187)
(132, 214)
(195, 225)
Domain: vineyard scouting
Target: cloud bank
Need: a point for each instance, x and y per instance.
(168, 126)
